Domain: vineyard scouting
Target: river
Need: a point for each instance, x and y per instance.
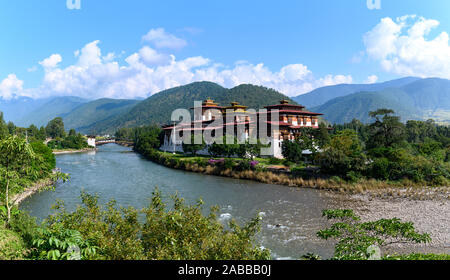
(291, 216)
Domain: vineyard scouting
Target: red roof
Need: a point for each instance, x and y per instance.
(284, 105)
(295, 112)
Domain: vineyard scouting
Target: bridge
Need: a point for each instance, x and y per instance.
(104, 142)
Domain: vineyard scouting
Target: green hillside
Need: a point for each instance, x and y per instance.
(85, 116)
(322, 95)
(159, 107)
(55, 107)
(17, 108)
(422, 100)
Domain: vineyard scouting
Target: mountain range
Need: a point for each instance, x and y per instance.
(411, 98)
(324, 94)
(158, 108)
(421, 99)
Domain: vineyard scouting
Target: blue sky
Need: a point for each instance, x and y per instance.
(323, 41)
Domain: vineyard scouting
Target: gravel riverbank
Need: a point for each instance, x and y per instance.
(37, 187)
(430, 216)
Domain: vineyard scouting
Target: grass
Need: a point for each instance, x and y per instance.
(419, 257)
(11, 245)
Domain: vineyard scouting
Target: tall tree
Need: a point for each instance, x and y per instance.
(16, 157)
(3, 127)
(387, 130)
(55, 128)
(321, 135)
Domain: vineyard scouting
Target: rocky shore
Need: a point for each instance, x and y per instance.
(431, 215)
(63, 152)
(37, 187)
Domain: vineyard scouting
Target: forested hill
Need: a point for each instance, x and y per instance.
(322, 95)
(84, 117)
(158, 108)
(421, 100)
(54, 107)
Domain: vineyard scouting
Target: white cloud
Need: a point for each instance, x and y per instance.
(109, 57)
(11, 87)
(371, 79)
(161, 39)
(51, 62)
(90, 55)
(403, 46)
(149, 71)
(152, 57)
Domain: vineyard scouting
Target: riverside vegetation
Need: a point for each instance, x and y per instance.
(177, 232)
(383, 156)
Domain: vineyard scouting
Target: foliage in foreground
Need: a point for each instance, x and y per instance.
(355, 238)
(181, 232)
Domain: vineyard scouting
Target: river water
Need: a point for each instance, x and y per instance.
(291, 216)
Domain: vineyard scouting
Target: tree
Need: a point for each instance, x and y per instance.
(165, 232)
(42, 135)
(227, 147)
(343, 154)
(197, 144)
(321, 135)
(16, 157)
(355, 239)
(3, 127)
(418, 131)
(387, 130)
(147, 138)
(292, 151)
(55, 128)
(72, 132)
(11, 128)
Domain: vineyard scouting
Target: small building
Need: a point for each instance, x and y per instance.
(291, 119)
(91, 140)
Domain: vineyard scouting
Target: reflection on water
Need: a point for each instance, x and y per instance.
(291, 217)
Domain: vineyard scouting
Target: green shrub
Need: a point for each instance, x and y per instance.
(49, 161)
(354, 238)
(11, 245)
(180, 232)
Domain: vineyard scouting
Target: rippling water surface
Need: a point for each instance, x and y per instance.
(291, 217)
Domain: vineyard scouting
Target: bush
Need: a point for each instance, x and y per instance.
(397, 164)
(180, 232)
(76, 142)
(49, 161)
(58, 243)
(354, 238)
(292, 151)
(275, 161)
(11, 245)
(343, 155)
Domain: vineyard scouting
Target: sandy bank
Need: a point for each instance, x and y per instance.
(63, 152)
(41, 185)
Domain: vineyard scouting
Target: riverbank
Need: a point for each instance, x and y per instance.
(291, 216)
(431, 216)
(127, 144)
(371, 187)
(37, 187)
(63, 152)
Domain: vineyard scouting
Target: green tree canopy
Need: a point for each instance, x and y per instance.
(387, 130)
(55, 128)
